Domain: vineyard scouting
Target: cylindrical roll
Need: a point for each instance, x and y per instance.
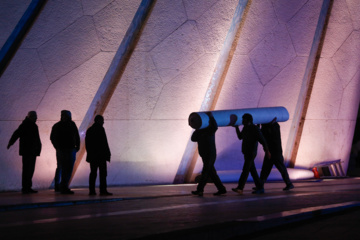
(200, 120)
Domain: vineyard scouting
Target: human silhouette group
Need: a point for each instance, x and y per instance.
(65, 138)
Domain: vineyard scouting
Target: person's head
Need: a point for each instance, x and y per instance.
(32, 116)
(99, 119)
(247, 119)
(65, 115)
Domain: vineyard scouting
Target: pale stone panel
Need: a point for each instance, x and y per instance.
(302, 27)
(75, 90)
(326, 94)
(273, 54)
(354, 9)
(113, 21)
(347, 142)
(11, 163)
(241, 88)
(185, 93)
(91, 7)
(347, 58)
(144, 151)
(351, 99)
(69, 49)
(165, 18)
(322, 140)
(286, 9)
(258, 22)
(284, 89)
(139, 89)
(54, 18)
(196, 8)
(10, 14)
(46, 162)
(178, 51)
(23, 85)
(214, 24)
(339, 29)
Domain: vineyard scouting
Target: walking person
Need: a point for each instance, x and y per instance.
(29, 149)
(98, 154)
(66, 140)
(272, 135)
(250, 136)
(207, 151)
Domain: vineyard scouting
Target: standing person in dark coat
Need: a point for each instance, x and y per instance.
(66, 140)
(272, 135)
(250, 135)
(207, 150)
(29, 149)
(98, 153)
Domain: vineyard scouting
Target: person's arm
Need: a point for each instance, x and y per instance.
(14, 137)
(77, 138)
(263, 142)
(238, 132)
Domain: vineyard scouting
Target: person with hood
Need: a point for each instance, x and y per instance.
(29, 149)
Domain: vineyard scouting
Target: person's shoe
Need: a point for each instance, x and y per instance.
(258, 191)
(57, 188)
(288, 187)
(32, 191)
(105, 193)
(67, 191)
(220, 192)
(92, 193)
(237, 190)
(254, 188)
(198, 193)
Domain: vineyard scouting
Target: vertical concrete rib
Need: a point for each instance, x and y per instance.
(302, 105)
(188, 160)
(13, 42)
(113, 75)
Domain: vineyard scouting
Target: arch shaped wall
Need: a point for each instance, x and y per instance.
(63, 59)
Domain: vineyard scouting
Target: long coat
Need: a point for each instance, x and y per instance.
(30, 144)
(96, 144)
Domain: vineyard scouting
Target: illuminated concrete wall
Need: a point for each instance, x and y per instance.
(67, 52)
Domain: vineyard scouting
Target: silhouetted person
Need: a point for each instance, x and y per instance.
(66, 140)
(250, 136)
(98, 153)
(29, 149)
(272, 135)
(207, 150)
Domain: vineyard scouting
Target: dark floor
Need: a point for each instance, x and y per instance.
(326, 209)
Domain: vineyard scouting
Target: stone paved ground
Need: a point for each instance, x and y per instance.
(327, 209)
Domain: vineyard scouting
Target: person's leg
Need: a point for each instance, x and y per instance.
(58, 172)
(28, 172)
(204, 174)
(266, 169)
(103, 175)
(67, 166)
(245, 171)
(279, 163)
(215, 178)
(92, 178)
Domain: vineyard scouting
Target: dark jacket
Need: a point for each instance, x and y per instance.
(272, 135)
(28, 133)
(251, 135)
(65, 135)
(206, 139)
(96, 144)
